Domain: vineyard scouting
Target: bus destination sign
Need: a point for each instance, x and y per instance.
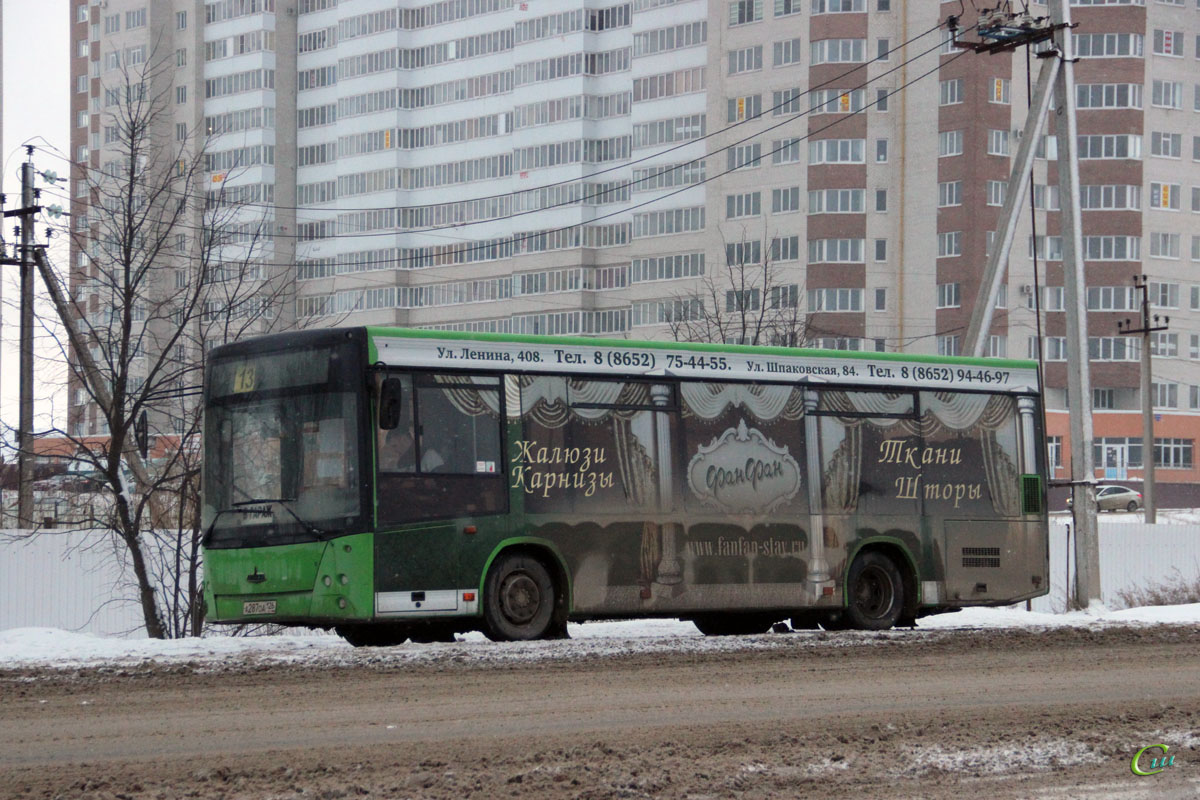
(650, 362)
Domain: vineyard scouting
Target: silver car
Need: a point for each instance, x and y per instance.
(1115, 498)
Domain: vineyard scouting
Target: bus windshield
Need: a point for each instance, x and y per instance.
(281, 453)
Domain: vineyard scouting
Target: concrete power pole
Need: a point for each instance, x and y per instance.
(1126, 329)
(1079, 384)
(25, 423)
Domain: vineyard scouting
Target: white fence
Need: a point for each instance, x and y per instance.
(74, 580)
(78, 581)
(1132, 556)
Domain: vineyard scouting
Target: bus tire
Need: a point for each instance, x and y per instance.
(368, 635)
(518, 599)
(875, 591)
(732, 624)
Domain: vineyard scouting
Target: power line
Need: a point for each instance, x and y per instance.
(53, 152)
(515, 239)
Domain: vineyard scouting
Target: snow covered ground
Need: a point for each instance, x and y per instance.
(57, 649)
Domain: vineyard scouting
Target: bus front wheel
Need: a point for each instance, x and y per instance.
(876, 593)
(518, 603)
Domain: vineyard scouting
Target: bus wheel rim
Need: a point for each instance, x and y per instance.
(520, 598)
(874, 592)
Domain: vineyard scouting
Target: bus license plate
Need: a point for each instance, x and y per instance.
(258, 607)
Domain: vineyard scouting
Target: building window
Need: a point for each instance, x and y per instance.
(1001, 89)
(1164, 245)
(950, 143)
(180, 20)
(744, 156)
(785, 7)
(181, 57)
(785, 200)
(835, 151)
(743, 300)
(1168, 43)
(1165, 344)
(838, 6)
(950, 193)
(881, 151)
(1054, 450)
(1173, 453)
(883, 49)
(1103, 399)
(742, 12)
(1166, 395)
(1167, 94)
(881, 299)
(882, 95)
(742, 108)
(832, 300)
(949, 295)
(1166, 145)
(998, 143)
(787, 52)
(1165, 196)
(949, 244)
(950, 92)
(1108, 95)
(135, 19)
(949, 346)
(881, 199)
(838, 51)
(748, 204)
(180, 94)
(1108, 45)
(881, 249)
(748, 59)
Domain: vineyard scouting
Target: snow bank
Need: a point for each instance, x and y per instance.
(53, 648)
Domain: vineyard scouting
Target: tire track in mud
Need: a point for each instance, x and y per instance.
(1055, 713)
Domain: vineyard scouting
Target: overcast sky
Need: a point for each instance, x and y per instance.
(36, 109)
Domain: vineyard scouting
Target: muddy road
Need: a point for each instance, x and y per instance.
(1016, 713)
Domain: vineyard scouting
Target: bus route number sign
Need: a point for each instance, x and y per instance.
(245, 378)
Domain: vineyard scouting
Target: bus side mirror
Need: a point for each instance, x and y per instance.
(390, 399)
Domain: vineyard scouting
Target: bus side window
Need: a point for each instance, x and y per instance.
(458, 427)
(396, 448)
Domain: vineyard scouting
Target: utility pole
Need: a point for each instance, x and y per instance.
(25, 458)
(1127, 329)
(1079, 382)
(25, 422)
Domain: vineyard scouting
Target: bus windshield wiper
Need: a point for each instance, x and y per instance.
(249, 507)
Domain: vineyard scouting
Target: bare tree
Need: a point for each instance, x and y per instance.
(746, 301)
(167, 268)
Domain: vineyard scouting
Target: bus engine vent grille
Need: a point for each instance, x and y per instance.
(1031, 494)
(981, 557)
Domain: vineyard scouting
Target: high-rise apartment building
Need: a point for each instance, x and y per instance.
(615, 169)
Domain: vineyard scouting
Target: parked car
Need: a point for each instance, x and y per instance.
(1114, 498)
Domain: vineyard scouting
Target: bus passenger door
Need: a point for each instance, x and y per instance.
(440, 479)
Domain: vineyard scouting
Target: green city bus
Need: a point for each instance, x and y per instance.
(399, 484)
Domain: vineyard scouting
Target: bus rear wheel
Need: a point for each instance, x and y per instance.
(518, 602)
(732, 624)
(876, 593)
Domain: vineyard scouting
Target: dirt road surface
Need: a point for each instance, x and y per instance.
(1019, 713)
